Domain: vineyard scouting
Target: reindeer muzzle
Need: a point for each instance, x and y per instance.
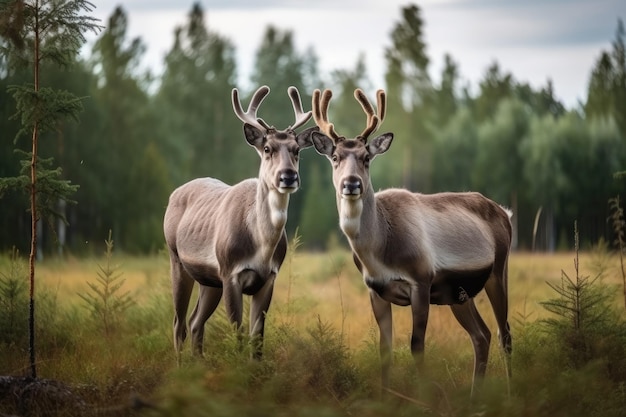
(289, 181)
(352, 188)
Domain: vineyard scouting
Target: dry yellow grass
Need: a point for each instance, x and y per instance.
(310, 287)
(327, 286)
(70, 277)
(338, 294)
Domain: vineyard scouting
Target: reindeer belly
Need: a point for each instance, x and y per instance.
(456, 287)
(396, 290)
(203, 273)
(448, 287)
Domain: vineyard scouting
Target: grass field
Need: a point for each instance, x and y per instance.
(327, 286)
(321, 345)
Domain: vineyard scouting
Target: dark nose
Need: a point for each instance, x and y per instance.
(288, 178)
(351, 186)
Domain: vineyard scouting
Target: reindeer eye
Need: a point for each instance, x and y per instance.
(335, 158)
(267, 149)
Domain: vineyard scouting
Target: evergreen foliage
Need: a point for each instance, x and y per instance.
(105, 301)
(37, 32)
(619, 228)
(142, 135)
(50, 186)
(606, 96)
(456, 149)
(13, 302)
(584, 317)
(318, 218)
(200, 134)
(409, 91)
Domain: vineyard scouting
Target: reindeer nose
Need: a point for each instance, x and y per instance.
(351, 187)
(288, 178)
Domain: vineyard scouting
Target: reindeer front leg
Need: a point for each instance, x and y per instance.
(420, 306)
(384, 318)
(258, 309)
(233, 301)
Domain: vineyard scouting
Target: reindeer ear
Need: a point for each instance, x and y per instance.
(253, 135)
(380, 144)
(304, 138)
(323, 144)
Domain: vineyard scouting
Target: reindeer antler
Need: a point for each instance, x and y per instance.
(320, 114)
(301, 116)
(373, 120)
(250, 116)
(381, 99)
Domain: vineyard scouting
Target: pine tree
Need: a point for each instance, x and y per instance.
(35, 32)
(495, 87)
(619, 80)
(409, 92)
(202, 135)
(606, 95)
(125, 127)
(445, 101)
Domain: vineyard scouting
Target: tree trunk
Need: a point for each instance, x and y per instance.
(33, 211)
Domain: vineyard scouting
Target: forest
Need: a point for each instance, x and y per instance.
(92, 146)
(139, 136)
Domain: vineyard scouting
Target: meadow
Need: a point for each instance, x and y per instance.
(113, 347)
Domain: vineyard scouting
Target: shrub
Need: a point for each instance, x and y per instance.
(13, 302)
(105, 302)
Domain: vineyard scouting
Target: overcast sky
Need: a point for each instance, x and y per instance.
(535, 40)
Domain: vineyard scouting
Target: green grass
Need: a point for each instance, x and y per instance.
(321, 351)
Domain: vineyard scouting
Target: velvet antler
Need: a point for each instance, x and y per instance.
(373, 120)
(250, 116)
(320, 114)
(301, 116)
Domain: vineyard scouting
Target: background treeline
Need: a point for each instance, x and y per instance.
(140, 136)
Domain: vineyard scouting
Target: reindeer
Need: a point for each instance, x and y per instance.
(416, 249)
(231, 239)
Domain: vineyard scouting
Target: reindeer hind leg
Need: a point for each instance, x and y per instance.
(208, 300)
(467, 315)
(497, 292)
(182, 286)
